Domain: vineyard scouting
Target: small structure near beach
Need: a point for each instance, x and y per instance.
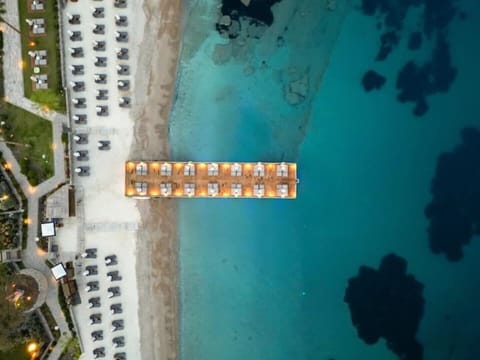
(40, 82)
(36, 26)
(37, 5)
(39, 57)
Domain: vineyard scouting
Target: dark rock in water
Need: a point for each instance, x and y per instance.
(442, 71)
(438, 73)
(454, 212)
(389, 40)
(257, 9)
(438, 14)
(373, 80)
(421, 107)
(387, 303)
(280, 41)
(415, 82)
(250, 13)
(415, 41)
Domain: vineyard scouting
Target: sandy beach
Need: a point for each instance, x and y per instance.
(156, 264)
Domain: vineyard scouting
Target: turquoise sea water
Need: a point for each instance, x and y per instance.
(266, 279)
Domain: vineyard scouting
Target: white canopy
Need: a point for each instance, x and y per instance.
(259, 190)
(213, 169)
(189, 169)
(142, 168)
(236, 189)
(189, 189)
(282, 170)
(259, 170)
(141, 188)
(166, 169)
(236, 170)
(212, 189)
(58, 271)
(166, 189)
(282, 190)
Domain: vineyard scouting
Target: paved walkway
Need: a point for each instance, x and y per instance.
(32, 256)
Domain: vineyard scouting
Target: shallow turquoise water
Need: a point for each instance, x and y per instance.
(266, 279)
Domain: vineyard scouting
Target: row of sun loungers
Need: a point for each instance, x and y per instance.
(95, 302)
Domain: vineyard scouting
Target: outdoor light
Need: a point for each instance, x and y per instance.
(32, 347)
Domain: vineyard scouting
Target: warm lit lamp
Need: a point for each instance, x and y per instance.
(32, 347)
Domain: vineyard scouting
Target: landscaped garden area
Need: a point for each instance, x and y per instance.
(53, 97)
(21, 334)
(29, 136)
(10, 219)
(30, 139)
(72, 350)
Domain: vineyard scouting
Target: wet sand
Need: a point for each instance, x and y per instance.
(157, 268)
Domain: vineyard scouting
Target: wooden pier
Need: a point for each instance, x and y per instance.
(156, 179)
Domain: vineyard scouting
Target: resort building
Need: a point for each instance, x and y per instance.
(147, 179)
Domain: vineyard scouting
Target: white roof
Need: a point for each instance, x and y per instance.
(236, 169)
(282, 170)
(48, 229)
(236, 189)
(189, 189)
(189, 169)
(213, 169)
(166, 169)
(141, 168)
(58, 271)
(212, 189)
(166, 188)
(259, 170)
(259, 190)
(282, 190)
(141, 188)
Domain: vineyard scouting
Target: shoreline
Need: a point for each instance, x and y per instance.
(157, 249)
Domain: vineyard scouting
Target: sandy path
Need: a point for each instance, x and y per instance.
(157, 242)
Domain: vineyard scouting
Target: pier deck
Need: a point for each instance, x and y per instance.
(147, 179)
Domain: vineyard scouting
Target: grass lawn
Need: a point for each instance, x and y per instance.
(18, 352)
(54, 97)
(72, 350)
(23, 127)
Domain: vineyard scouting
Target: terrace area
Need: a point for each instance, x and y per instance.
(41, 53)
(145, 179)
